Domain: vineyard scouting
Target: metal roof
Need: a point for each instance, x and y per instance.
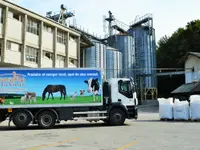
(194, 54)
(188, 88)
(185, 57)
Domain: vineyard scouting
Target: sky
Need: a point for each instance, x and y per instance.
(168, 15)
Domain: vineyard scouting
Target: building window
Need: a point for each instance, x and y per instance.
(1, 15)
(73, 61)
(20, 48)
(31, 54)
(8, 45)
(33, 27)
(47, 55)
(61, 37)
(60, 58)
(72, 38)
(47, 28)
(14, 15)
(17, 17)
(13, 46)
(0, 47)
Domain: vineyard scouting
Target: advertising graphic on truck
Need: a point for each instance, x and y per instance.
(41, 86)
(48, 96)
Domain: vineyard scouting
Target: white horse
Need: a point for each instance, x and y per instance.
(31, 97)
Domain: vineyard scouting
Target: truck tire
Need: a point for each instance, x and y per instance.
(117, 117)
(46, 119)
(21, 119)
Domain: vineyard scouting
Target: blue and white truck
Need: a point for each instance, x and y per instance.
(46, 96)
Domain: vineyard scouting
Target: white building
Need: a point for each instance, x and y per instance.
(31, 40)
(192, 61)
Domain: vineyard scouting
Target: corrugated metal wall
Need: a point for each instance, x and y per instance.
(125, 44)
(145, 53)
(109, 63)
(113, 63)
(95, 55)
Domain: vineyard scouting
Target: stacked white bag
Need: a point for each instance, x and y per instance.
(181, 110)
(165, 108)
(195, 107)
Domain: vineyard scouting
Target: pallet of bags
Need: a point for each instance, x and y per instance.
(165, 108)
(181, 110)
(195, 107)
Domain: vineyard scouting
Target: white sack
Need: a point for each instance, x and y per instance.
(194, 98)
(181, 110)
(195, 106)
(165, 108)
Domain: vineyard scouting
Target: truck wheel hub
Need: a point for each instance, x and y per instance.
(21, 117)
(117, 116)
(46, 120)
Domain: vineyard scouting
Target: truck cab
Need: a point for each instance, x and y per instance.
(119, 94)
(123, 90)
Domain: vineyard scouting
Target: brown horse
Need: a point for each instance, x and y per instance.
(53, 89)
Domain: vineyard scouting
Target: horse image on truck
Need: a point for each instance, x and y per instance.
(48, 96)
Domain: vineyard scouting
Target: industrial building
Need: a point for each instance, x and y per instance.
(31, 40)
(135, 46)
(192, 60)
(125, 45)
(145, 54)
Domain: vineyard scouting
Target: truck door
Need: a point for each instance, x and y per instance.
(125, 92)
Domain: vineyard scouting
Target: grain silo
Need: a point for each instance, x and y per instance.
(109, 63)
(144, 33)
(113, 63)
(120, 64)
(125, 44)
(95, 55)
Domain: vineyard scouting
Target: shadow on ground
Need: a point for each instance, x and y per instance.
(60, 126)
(148, 109)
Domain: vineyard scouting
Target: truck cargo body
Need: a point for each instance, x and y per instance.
(47, 96)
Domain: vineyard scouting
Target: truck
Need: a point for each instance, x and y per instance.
(47, 96)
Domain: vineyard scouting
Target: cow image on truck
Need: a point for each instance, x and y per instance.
(47, 96)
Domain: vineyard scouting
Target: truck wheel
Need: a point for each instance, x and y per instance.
(21, 119)
(46, 119)
(117, 117)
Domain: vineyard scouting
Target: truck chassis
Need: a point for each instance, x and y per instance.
(46, 118)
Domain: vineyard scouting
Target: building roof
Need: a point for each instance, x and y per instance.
(184, 58)
(39, 17)
(197, 54)
(187, 89)
(85, 42)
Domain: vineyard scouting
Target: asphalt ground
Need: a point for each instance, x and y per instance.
(146, 133)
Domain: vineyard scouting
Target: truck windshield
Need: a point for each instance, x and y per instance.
(124, 86)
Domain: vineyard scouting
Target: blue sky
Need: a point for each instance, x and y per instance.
(168, 15)
(38, 83)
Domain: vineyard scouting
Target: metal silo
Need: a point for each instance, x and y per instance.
(109, 63)
(145, 54)
(113, 63)
(119, 64)
(95, 55)
(125, 44)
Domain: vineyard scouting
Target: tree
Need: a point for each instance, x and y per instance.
(171, 49)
